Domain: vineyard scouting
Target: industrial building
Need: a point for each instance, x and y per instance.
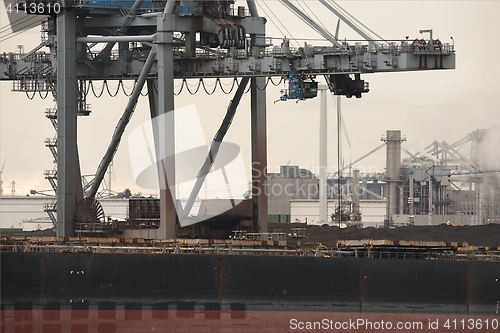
(464, 188)
(441, 184)
(291, 183)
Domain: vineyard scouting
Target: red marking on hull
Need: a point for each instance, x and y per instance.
(179, 321)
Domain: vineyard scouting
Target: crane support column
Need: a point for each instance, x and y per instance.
(66, 128)
(259, 153)
(165, 129)
(323, 156)
(355, 192)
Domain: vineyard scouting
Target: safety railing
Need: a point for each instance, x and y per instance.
(230, 247)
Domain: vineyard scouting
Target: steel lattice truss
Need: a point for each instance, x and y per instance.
(154, 42)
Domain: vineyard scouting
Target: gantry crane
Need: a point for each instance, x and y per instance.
(162, 41)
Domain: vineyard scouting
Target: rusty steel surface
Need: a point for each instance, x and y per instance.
(251, 282)
(267, 244)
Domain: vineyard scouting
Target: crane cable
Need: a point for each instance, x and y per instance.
(209, 88)
(317, 18)
(17, 22)
(353, 19)
(14, 34)
(270, 18)
(98, 91)
(281, 32)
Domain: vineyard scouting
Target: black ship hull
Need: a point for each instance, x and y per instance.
(177, 287)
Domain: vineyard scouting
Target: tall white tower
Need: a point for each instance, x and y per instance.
(393, 140)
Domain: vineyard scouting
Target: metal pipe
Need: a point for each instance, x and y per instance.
(431, 220)
(430, 46)
(169, 8)
(105, 39)
(252, 8)
(355, 191)
(339, 160)
(150, 14)
(323, 153)
(122, 123)
(410, 196)
(136, 5)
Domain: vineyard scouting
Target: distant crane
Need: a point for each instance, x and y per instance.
(433, 176)
(1, 173)
(110, 174)
(44, 192)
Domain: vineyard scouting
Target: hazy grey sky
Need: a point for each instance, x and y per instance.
(426, 106)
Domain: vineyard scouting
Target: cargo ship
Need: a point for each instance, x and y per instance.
(249, 283)
(105, 281)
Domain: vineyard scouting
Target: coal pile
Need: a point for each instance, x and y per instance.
(481, 235)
